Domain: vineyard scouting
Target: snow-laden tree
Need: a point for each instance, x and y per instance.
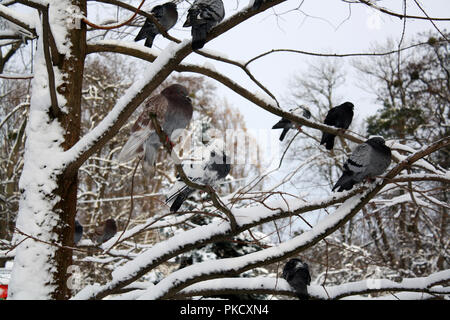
(62, 36)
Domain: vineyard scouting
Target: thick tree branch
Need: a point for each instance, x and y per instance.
(16, 18)
(279, 286)
(217, 232)
(55, 111)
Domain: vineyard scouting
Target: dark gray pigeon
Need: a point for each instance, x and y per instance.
(167, 16)
(173, 109)
(212, 166)
(340, 117)
(202, 16)
(286, 124)
(257, 4)
(78, 232)
(106, 231)
(296, 273)
(369, 159)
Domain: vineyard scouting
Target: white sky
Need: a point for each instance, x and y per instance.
(319, 26)
(330, 32)
(331, 26)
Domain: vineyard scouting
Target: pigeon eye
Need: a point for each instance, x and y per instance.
(213, 154)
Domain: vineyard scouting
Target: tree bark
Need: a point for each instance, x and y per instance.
(47, 209)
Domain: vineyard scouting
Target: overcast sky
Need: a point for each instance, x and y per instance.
(331, 26)
(325, 26)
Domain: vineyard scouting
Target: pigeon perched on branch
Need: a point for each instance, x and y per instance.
(369, 159)
(166, 14)
(202, 16)
(296, 273)
(78, 232)
(257, 4)
(106, 231)
(340, 117)
(211, 167)
(286, 124)
(173, 109)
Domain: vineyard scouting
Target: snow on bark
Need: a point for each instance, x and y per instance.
(239, 264)
(280, 286)
(34, 265)
(246, 218)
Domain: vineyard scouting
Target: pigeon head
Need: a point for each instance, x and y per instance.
(348, 105)
(376, 141)
(110, 224)
(296, 264)
(175, 91)
(170, 5)
(379, 144)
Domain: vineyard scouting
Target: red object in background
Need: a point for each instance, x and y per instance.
(3, 291)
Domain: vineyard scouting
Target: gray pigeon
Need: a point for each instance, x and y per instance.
(78, 232)
(369, 159)
(202, 16)
(173, 109)
(296, 273)
(212, 166)
(106, 231)
(257, 4)
(340, 117)
(286, 124)
(167, 16)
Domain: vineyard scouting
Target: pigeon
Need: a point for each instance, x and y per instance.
(213, 167)
(286, 124)
(257, 4)
(106, 231)
(202, 16)
(340, 117)
(369, 159)
(296, 273)
(78, 232)
(173, 109)
(167, 16)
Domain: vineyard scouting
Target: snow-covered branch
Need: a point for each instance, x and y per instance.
(160, 69)
(279, 286)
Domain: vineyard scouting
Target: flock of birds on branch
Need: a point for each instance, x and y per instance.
(173, 110)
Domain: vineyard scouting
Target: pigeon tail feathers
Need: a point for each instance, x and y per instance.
(257, 4)
(199, 33)
(180, 196)
(345, 182)
(149, 41)
(328, 140)
(150, 152)
(283, 134)
(132, 146)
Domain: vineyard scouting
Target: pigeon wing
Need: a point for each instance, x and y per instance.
(158, 12)
(332, 116)
(379, 163)
(360, 158)
(143, 127)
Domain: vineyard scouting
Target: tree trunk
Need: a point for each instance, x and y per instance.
(47, 208)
